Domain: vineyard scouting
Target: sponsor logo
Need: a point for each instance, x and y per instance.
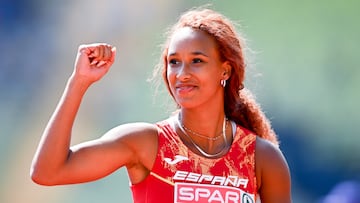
(203, 193)
(176, 159)
(234, 181)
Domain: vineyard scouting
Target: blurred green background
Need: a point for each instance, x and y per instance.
(303, 68)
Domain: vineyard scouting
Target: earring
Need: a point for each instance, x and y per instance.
(223, 83)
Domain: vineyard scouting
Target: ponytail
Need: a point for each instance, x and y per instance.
(246, 112)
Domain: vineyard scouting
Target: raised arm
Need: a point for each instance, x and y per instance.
(54, 161)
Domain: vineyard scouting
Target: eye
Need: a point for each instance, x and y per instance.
(173, 62)
(197, 60)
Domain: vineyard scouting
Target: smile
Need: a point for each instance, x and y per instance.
(184, 89)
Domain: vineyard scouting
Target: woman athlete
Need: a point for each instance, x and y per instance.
(217, 147)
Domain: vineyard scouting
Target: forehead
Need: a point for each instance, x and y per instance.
(191, 40)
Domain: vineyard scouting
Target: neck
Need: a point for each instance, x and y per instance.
(210, 146)
(208, 122)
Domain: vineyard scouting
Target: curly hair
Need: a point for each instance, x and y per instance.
(239, 104)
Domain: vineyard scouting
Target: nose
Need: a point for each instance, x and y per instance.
(184, 72)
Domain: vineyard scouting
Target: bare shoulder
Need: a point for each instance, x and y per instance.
(140, 138)
(132, 131)
(272, 172)
(266, 151)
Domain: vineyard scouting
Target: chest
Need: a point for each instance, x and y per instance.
(178, 164)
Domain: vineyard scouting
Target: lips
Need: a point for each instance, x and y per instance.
(185, 88)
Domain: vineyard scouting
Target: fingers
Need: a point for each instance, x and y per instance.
(98, 54)
(113, 54)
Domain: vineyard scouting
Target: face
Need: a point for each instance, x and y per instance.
(194, 69)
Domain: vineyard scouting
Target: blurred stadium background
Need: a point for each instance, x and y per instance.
(303, 68)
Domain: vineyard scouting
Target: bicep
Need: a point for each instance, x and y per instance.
(95, 159)
(274, 174)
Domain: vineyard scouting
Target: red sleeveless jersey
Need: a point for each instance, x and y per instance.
(181, 176)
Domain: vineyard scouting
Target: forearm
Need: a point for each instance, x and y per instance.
(51, 160)
(53, 149)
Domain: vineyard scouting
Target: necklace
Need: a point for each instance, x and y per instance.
(200, 135)
(181, 126)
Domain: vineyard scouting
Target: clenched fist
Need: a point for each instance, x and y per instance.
(93, 61)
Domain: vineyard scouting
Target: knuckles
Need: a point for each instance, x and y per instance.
(98, 51)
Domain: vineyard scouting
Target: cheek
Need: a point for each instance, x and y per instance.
(170, 77)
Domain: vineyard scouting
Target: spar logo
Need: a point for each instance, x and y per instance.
(190, 192)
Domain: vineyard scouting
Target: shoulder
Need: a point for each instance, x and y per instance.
(272, 171)
(132, 129)
(267, 150)
(268, 157)
(135, 136)
(135, 145)
(138, 133)
(133, 133)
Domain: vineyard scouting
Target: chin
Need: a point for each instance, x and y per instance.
(187, 104)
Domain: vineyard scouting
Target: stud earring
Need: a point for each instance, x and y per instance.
(223, 83)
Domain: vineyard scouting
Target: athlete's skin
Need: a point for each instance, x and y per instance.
(194, 73)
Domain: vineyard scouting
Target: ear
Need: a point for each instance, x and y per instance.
(226, 67)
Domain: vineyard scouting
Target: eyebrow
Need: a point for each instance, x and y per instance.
(192, 53)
